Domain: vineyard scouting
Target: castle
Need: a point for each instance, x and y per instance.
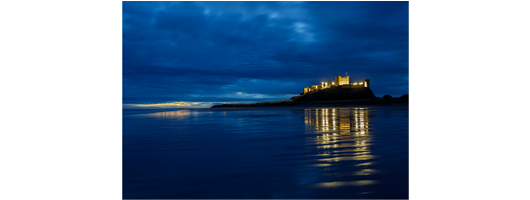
(340, 82)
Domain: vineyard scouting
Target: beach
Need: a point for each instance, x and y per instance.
(275, 152)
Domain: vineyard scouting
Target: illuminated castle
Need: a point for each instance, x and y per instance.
(340, 82)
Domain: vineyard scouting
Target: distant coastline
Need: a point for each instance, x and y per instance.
(400, 102)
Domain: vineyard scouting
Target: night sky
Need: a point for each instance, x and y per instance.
(198, 54)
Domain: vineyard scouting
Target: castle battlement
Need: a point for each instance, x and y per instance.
(340, 81)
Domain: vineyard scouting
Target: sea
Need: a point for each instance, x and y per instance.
(266, 153)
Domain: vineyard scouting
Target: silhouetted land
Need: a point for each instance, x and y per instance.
(330, 97)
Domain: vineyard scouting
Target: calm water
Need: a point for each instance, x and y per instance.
(346, 153)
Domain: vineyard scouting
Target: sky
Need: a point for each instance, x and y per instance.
(199, 54)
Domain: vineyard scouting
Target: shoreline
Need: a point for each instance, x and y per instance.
(315, 106)
(372, 102)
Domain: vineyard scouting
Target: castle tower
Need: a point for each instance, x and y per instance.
(367, 83)
(339, 80)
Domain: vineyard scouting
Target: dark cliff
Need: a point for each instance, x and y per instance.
(335, 93)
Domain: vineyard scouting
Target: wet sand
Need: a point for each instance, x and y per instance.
(355, 152)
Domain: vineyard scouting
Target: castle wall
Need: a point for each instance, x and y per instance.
(342, 82)
(339, 80)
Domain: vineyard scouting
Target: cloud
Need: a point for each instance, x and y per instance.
(172, 105)
(190, 51)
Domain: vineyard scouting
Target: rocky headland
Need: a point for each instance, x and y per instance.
(334, 96)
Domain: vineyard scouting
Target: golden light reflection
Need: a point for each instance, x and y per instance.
(336, 125)
(365, 164)
(343, 135)
(345, 183)
(321, 165)
(361, 172)
(179, 114)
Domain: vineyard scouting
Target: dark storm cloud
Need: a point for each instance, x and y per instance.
(258, 51)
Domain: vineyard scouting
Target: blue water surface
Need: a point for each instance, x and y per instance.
(303, 153)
